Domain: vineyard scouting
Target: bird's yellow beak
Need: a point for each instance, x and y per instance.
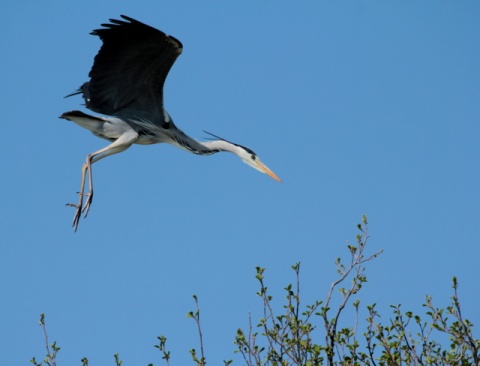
(264, 169)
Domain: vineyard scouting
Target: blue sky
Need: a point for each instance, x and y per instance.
(360, 107)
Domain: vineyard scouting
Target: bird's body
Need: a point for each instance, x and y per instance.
(126, 82)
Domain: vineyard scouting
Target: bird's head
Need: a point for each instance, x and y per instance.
(250, 158)
(247, 155)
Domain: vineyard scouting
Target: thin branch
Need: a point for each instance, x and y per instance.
(197, 320)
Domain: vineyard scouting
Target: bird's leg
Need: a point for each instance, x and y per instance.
(79, 206)
(88, 202)
(122, 143)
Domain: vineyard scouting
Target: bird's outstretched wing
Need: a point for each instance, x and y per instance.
(129, 71)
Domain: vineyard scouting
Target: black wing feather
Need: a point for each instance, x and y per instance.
(129, 71)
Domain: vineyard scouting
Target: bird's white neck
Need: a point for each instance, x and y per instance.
(207, 147)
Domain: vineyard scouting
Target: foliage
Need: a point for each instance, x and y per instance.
(291, 337)
(52, 349)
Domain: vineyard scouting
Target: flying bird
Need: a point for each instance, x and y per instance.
(126, 83)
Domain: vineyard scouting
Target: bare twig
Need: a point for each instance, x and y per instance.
(196, 316)
(52, 349)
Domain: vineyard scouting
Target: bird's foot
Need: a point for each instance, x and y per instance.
(78, 213)
(88, 203)
(80, 208)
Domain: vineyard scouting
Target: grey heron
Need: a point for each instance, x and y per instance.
(126, 83)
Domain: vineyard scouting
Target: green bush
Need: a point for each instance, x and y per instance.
(286, 338)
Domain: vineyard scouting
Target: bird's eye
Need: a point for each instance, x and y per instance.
(253, 157)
